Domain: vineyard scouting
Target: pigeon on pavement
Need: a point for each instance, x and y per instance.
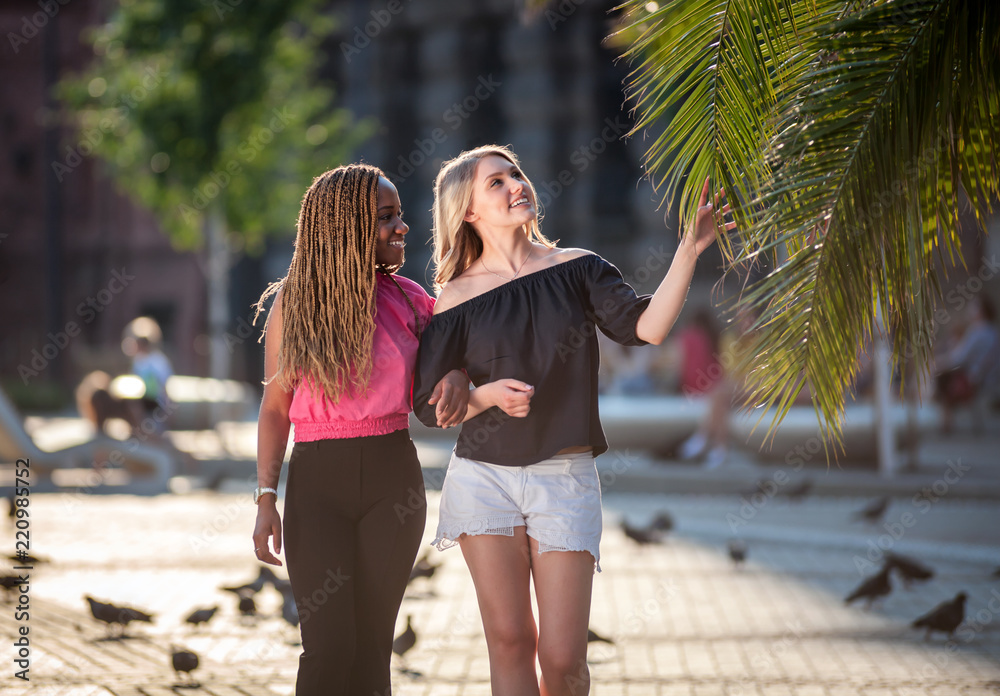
(800, 490)
(200, 616)
(910, 569)
(873, 512)
(405, 640)
(641, 536)
(945, 617)
(183, 661)
(595, 637)
(872, 588)
(289, 610)
(737, 552)
(423, 568)
(663, 522)
(113, 615)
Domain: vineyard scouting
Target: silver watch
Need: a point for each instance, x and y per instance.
(258, 492)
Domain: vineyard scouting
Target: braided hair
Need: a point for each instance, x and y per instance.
(328, 304)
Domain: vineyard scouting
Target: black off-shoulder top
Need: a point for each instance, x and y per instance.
(540, 328)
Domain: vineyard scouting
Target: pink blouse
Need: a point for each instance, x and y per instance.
(386, 406)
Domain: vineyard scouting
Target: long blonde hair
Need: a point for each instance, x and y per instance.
(328, 303)
(456, 243)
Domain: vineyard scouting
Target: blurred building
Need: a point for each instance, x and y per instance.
(78, 261)
(438, 76)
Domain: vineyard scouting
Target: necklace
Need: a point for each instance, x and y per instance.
(516, 274)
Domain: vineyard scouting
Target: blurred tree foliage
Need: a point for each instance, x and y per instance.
(199, 106)
(848, 135)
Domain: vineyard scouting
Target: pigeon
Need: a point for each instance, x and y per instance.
(759, 486)
(111, 614)
(215, 483)
(183, 661)
(595, 637)
(405, 640)
(873, 512)
(200, 616)
(423, 568)
(264, 576)
(872, 588)
(737, 551)
(663, 522)
(910, 569)
(641, 536)
(799, 491)
(282, 585)
(247, 606)
(945, 617)
(9, 584)
(289, 610)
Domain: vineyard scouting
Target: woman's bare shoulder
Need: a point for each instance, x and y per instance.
(454, 293)
(557, 255)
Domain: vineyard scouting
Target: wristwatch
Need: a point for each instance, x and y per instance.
(258, 492)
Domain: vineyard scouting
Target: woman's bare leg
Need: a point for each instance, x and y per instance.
(500, 568)
(563, 584)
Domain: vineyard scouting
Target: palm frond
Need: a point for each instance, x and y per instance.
(857, 132)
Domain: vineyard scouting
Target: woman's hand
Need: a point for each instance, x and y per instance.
(511, 396)
(268, 525)
(709, 222)
(451, 395)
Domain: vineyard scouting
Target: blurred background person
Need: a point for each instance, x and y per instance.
(969, 369)
(141, 342)
(721, 380)
(698, 342)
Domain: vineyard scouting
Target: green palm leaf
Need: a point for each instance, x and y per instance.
(847, 165)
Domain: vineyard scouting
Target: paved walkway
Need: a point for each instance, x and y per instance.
(683, 620)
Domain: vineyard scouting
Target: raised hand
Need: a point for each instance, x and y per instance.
(710, 221)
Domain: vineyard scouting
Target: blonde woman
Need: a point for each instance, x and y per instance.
(522, 496)
(340, 345)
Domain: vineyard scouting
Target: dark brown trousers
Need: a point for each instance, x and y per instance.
(354, 518)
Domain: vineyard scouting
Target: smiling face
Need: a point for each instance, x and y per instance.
(501, 197)
(391, 228)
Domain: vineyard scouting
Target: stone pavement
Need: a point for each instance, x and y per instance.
(683, 620)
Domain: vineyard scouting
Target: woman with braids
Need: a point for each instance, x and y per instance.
(340, 345)
(522, 496)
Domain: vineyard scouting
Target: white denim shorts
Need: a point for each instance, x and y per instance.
(558, 500)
